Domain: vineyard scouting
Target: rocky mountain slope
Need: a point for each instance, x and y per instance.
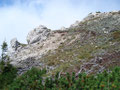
(91, 45)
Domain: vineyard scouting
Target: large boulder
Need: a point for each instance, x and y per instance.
(38, 34)
(14, 44)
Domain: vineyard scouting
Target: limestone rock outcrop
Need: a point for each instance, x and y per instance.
(75, 24)
(14, 44)
(38, 34)
(91, 45)
(99, 22)
(29, 55)
(102, 22)
(63, 28)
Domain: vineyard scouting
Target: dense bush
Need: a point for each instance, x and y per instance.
(32, 80)
(7, 72)
(7, 75)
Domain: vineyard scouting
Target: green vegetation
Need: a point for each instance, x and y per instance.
(7, 75)
(116, 35)
(7, 72)
(23, 45)
(33, 80)
(4, 50)
(98, 12)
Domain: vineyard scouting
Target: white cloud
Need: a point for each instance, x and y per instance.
(17, 20)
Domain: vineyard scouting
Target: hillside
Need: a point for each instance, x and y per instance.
(91, 45)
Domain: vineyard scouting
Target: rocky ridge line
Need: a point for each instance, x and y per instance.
(43, 41)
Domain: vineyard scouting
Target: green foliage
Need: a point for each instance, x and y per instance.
(7, 72)
(116, 35)
(4, 46)
(4, 49)
(98, 12)
(7, 75)
(33, 80)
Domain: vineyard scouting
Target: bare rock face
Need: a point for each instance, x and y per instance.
(100, 22)
(75, 24)
(63, 28)
(90, 16)
(41, 41)
(14, 44)
(38, 34)
(90, 44)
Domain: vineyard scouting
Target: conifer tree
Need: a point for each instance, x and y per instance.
(4, 48)
(3, 56)
(7, 71)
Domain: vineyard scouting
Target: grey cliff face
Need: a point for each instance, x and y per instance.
(38, 34)
(40, 41)
(100, 22)
(63, 28)
(14, 44)
(95, 38)
(75, 24)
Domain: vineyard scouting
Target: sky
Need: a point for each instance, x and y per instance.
(18, 17)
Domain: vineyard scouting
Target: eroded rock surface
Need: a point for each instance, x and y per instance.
(29, 55)
(90, 46)
(38, 34)
(14, 44)
(100, 22)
